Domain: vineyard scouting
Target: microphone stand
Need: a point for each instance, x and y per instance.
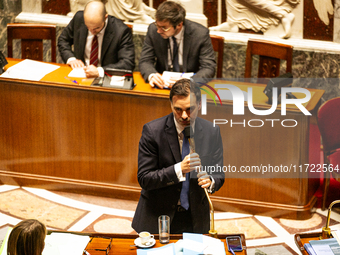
(212, 231)
(326, 231)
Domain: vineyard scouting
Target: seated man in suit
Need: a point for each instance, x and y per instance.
(173, 43)
(100, 41)
(168, 172)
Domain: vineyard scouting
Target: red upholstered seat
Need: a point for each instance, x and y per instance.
(329, 126)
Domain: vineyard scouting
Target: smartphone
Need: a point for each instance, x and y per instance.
(234, 243)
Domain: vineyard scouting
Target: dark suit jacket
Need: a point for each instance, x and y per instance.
(198, 53)
(117, 48)
(159, 151)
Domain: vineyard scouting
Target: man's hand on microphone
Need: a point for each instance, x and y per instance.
(190, 162)
(204, 180)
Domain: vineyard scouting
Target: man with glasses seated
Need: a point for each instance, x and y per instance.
(175, 44)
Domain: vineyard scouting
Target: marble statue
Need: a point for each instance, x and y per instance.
(131, 10)
(127, 10)
(324, 7)
(259, 15)
(76, 5)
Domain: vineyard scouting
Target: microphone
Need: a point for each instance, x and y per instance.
(189, 133)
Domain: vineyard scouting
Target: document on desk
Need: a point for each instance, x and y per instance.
(325, 246)
(208, 245)
(77, 73)
(336, 235)
(168, 249)
(65, 244)
(117, 81)
(29, 70)
(168, 76)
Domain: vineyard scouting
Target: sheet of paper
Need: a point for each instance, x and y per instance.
(336, 235)
(168, 249)
(168, 76)
(65, 244)
(29, 70)
(77, 73)
(209, 245)
(117, 81)
(193, 246)
(325, 246)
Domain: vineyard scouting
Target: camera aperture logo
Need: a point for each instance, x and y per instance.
(239, 97)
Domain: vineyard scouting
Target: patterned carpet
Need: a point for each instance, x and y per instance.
(76, 212)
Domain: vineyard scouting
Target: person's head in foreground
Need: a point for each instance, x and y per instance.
(27, 238)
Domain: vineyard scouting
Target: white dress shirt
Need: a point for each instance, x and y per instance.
(177, 167)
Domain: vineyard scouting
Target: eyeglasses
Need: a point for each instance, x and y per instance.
(163, 28)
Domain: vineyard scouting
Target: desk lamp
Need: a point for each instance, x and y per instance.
(190, 135)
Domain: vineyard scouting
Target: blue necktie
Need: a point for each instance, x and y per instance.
(175, 63)
(185, 185)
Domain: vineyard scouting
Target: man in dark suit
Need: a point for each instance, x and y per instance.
(171, 34)
(164, 169)
(100, 41)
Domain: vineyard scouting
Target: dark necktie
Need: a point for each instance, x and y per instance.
(94, 51)
(175, 62)
(184, 197)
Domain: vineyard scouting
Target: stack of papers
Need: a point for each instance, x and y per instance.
(29, 70)
(170, 77)
(323, 247)
(65, 244)
(191, 244)
(168, 249)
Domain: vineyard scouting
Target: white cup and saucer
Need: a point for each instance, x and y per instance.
(145, 240)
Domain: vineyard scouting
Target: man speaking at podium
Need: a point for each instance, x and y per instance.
(165, 163)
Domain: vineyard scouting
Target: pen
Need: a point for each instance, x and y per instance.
(71, 80)
(231, 250)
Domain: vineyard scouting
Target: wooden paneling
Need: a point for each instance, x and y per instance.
(79, 134)
(56, 6)
(256, 193)
(210, 10)
(156, 3)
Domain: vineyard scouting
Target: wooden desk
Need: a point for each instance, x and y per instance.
(76, 138)
(121, 243)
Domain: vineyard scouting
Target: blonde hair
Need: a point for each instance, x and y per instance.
(27, 238)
